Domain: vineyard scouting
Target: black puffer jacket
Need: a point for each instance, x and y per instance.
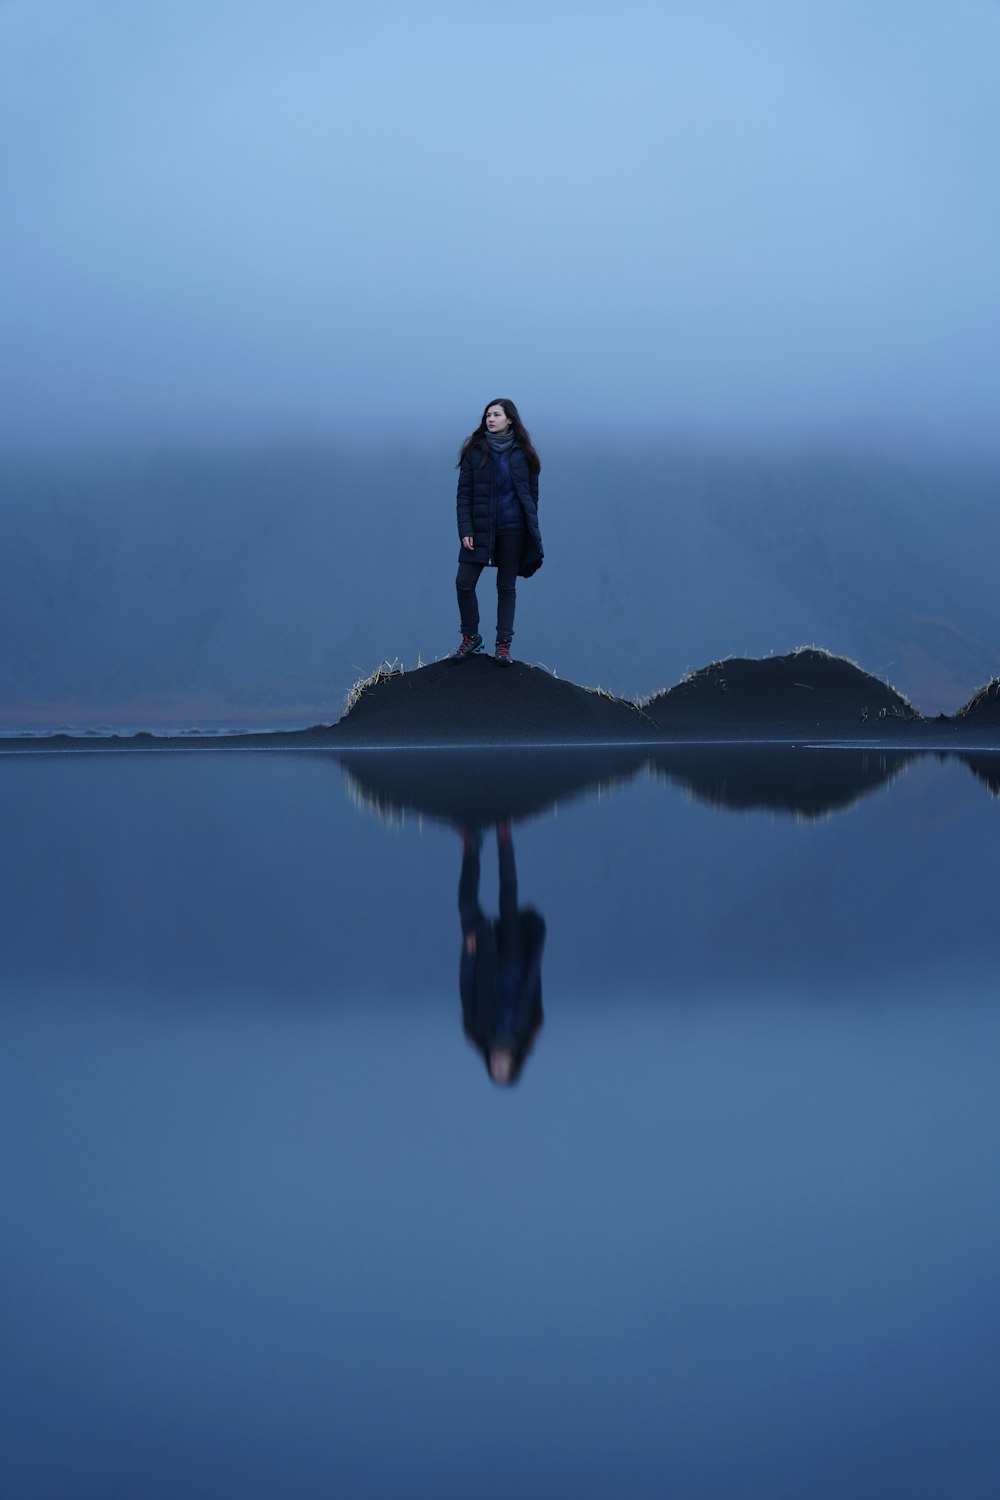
(479, 984)
(477, 509)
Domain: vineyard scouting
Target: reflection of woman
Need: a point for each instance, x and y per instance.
(497, 521)
(500, 976)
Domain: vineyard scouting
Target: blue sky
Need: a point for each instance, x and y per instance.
(767, 219)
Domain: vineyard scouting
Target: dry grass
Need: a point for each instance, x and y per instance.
(991, 690)
(382, 673)
(388, 814)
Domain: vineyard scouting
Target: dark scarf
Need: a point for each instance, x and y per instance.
(500, 442)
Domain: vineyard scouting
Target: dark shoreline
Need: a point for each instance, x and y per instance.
(807, 697)
(928, 737)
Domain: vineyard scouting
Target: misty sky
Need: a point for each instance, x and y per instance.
(228, 217)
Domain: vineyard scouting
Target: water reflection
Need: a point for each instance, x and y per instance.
(223, 873)
(483, 787)
(804, 781)
(259, 1174)
(986, 767)
(500, 974)
(477, 788)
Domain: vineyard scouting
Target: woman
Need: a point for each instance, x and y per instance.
(497, 521)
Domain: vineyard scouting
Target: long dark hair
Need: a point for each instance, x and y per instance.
(519, 1052)
(478, 440)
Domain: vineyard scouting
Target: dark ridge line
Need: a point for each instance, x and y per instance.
(716, 704)
(926, 739)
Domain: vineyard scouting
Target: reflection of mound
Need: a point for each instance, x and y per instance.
(489, 786)
(808, 782)
(477, 702)
(987, 768)
(804, 687)
(983, 710)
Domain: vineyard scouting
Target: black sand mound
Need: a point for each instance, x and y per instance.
(478, 702)
(983, 710)
(475, 787)
(804, 781)
(806, 695)
(806, 687)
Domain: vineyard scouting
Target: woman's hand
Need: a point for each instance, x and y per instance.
(468, 542)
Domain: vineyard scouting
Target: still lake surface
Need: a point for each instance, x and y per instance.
(271, 1228)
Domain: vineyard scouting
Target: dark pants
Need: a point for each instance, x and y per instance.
(507, 552)
(469, 910)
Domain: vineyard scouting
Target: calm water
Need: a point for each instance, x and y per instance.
(271, 1229)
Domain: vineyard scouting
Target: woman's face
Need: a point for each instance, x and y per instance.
(497, 419)
(501, 1064)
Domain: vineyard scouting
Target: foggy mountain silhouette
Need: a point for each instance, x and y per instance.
(165, 587)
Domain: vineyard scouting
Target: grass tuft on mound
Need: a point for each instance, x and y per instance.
(984, 706)
(382, 673)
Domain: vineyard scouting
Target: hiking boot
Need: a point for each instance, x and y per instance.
(471, 645)
(502, 654)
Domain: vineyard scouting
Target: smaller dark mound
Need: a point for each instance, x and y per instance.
(983, 709)
(806, 687)
(478, 702)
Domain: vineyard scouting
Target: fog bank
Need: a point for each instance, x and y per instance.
(193, 587)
